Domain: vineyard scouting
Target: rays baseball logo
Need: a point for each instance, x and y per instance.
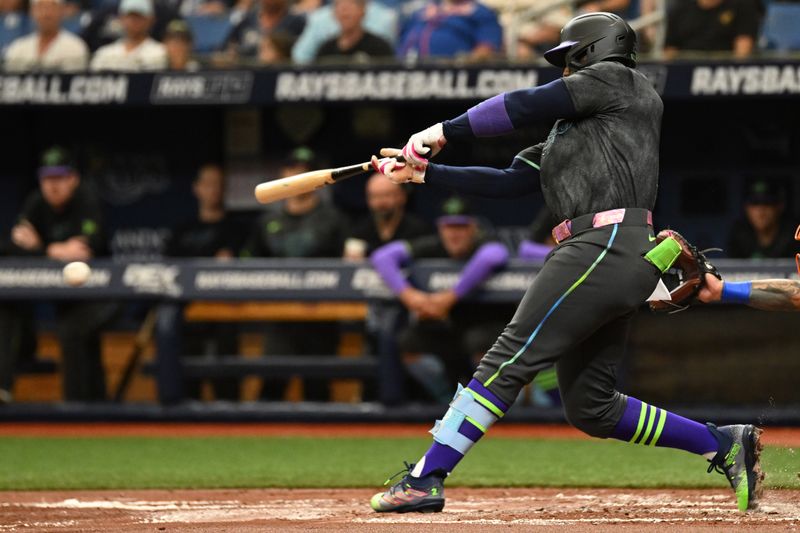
(152, 278)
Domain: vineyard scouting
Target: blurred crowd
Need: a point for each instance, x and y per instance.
(442, 339)
(151, 35)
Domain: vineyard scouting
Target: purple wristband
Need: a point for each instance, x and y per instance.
(737, 293)
(484, 261)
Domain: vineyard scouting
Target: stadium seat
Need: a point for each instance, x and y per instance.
(12, 26)
(210, 33)
(781, 26)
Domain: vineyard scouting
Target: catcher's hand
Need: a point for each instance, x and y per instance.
(687, 275)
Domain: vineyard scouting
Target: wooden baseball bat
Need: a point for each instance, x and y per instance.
(280, 189)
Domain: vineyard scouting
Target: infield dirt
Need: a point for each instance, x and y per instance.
(527, 509)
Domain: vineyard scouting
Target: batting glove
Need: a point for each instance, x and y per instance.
(424, 145)
(398, 171)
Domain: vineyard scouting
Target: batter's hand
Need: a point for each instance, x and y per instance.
(398, 171)
(712, 290)
(424, 145)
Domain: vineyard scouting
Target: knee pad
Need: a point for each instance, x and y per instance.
(469, 406)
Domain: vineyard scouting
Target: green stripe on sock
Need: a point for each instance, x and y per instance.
(642, 412)
(486, 403)
(659, 427)
(476, 424)
(651, 418)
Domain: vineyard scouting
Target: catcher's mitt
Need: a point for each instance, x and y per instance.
(686, 276)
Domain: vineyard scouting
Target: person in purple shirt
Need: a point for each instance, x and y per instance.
(457, 332)
(451, 28)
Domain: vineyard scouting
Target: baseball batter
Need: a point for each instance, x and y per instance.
(598, 172)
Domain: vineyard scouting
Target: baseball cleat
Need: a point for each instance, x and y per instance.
(738, 458)
(411, 494)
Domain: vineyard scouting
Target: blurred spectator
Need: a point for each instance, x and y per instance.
(212, 233)
(8, 7)
(353, 43)
(61, 221)
(269, 17)
(178, 42)
(764, 231)
(533, 35)
(458, 333)
(275, 48)
(388, 220)
(203, 8)
(540, 237)
(452, 28)
(304, 227)
(712, 26)
(49, 47)
(136, 50)
(322, 26)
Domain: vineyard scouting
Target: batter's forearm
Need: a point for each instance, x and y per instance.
(775, 295)
(517, 180)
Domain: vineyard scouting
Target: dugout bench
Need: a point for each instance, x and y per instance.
(248, 290)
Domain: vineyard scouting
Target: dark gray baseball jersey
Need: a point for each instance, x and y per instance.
(607, 158)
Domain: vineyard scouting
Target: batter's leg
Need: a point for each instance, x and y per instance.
(587, 377)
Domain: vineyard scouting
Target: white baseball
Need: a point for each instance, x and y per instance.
(76, 273)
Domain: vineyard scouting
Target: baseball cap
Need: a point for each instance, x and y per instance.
(456, 211)
(302, 155)
(55, 161)
(142, 7)
(179, 28)
(763, 192)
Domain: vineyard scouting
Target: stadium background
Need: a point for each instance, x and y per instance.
(141, 150)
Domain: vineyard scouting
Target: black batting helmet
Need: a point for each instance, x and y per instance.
(594, 37)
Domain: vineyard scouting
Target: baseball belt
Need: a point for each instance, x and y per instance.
(631, 216)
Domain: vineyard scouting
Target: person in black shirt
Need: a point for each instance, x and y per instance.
(456, 332)
(61, 221)
(353, 43)
(764, 231)
(712, 26)
(212, 233)
(304, 227)
(388, 219)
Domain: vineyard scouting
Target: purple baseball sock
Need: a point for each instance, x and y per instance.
(646, 424)
(445, 458)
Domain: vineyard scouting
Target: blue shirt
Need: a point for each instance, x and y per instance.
(433, 31)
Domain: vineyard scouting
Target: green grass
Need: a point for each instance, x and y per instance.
(128, 463)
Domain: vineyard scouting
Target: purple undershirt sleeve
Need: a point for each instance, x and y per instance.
(483, 263)
(533, 250)
(388, 261)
